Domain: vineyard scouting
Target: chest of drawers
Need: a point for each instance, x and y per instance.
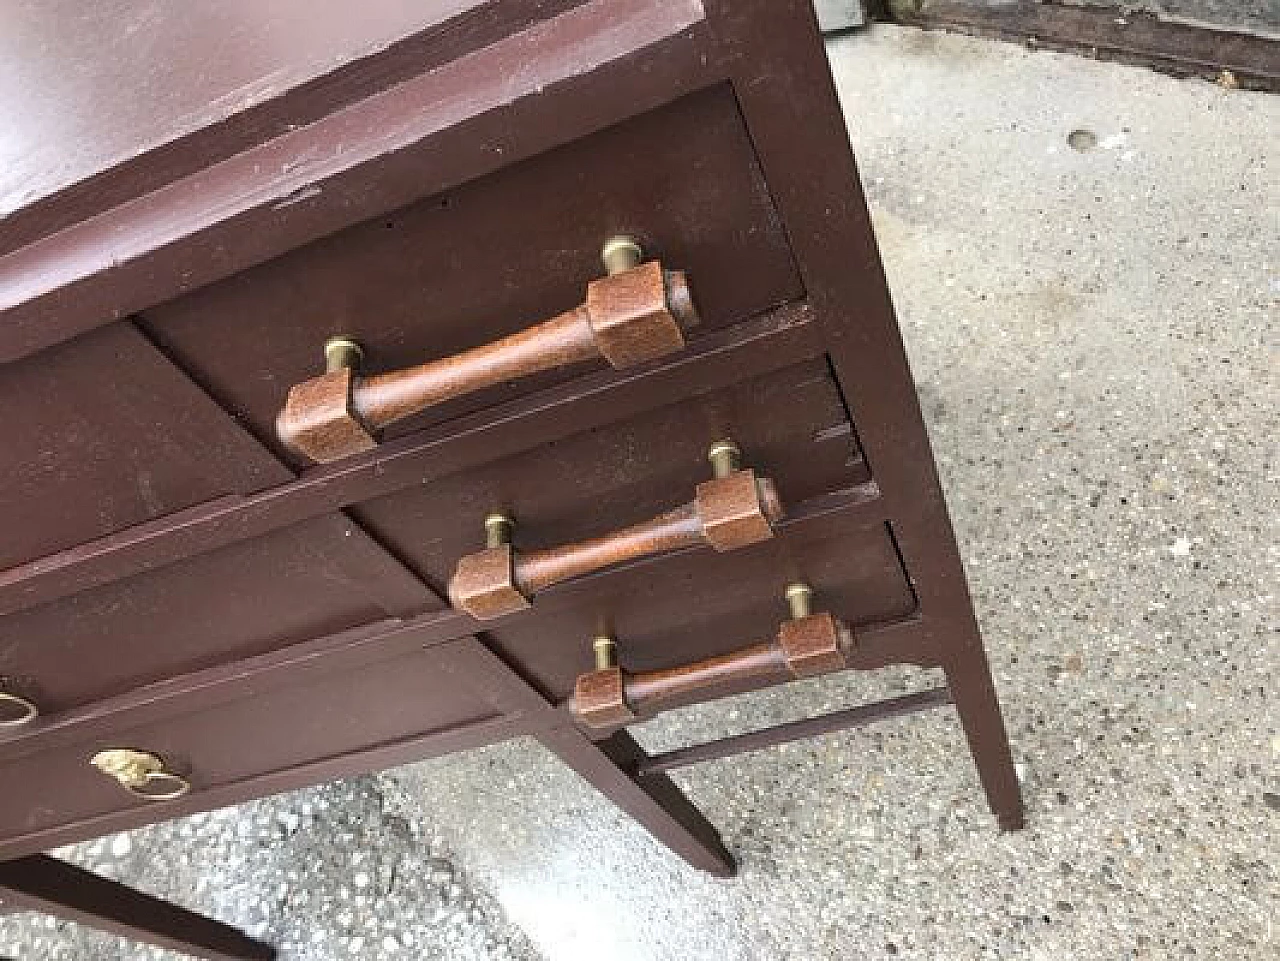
(502, 380)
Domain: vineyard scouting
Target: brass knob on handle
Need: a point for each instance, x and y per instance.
(342, 353)
(606, 651)
(725, 457)
(497, 530)
(16, 711)
(621, 253)
(800, 600)
(141, 774)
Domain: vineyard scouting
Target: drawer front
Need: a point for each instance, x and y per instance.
(102, 433)
(302, 582)
(790, 424)
(698, 604)
(263, 733)
(495, 256)
(328, 574)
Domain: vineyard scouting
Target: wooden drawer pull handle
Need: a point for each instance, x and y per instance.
(805, 645)
(16, 711)
(635, 313)
(141, 774)
(733, 509)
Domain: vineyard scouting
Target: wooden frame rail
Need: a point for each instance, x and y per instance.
(845, 720)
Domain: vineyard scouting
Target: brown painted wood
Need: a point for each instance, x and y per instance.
(264, 729)
(789, 422)
(50, 886)
(848, 719)
(313, 579)
(108, 415)
(428, 134)
(773, 341)
(446, 194)
(174, 601)
(435, 278)
(655, 802)
(884, 633)
(53, 55)
(101, 175)
(834, 244)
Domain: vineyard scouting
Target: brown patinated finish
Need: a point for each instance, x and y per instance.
(728, 513)
(804, 647)
(627, 318)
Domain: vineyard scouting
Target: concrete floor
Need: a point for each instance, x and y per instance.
(1093, 334)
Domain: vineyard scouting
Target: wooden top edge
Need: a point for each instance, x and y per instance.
(89, 129)
(303, 184)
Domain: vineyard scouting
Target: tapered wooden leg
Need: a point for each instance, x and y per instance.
(652, 799)
(45, 884)
(969, 679)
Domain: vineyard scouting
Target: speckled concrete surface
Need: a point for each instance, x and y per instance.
(1093, 333)
(323, 874)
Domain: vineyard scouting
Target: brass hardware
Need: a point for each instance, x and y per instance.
(799, 597)
(16, 711)
(621, 253)
(497, 530)
(342, 353)
(725, 457)
(141, 774)
(606, 653)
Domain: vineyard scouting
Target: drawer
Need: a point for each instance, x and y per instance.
(790, 424)
(277, 732)
(494, 256)
(103, 433)
(328, 574)
(696, 604)
(302, 582)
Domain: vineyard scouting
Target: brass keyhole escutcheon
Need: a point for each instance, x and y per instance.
(141, 774)
(16, 711)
